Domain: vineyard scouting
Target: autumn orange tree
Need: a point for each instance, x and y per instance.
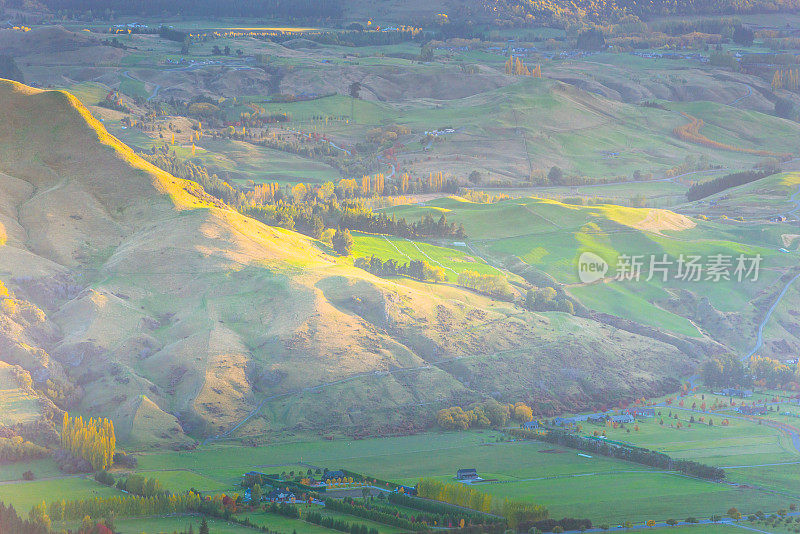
(94, 441)
(786, 79)
(516, 66)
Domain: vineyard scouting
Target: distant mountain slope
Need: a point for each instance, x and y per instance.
(175, 315)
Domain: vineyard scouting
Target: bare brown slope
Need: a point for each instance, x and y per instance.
(147, 287)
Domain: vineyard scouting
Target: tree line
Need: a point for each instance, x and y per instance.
(387, 516)
(311, 217)
(339, 524)
(701, 190)
(629, 453)
(449, 514)
(418, 270)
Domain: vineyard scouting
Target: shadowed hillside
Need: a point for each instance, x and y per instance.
(142, 298)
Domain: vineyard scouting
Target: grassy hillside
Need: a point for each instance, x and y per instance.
(542, 239)
(147, 285)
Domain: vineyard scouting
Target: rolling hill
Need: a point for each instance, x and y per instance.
(142, 298)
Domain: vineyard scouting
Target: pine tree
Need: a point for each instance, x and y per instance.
(203, 527)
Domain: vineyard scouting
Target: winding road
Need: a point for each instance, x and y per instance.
(760, 337)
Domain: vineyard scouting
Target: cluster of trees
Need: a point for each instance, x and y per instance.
(94, 441)
(591, 39)
(419, 270)
(786, 79)
(141, 486)
(514, 512)
(10, 521)
(342, 241)
(433, 183)
(711, 187)
(724, 59)
(516, 66)
(339, 524)
(547, 299)
(691, 132)
(457, 494)
(188, 170)
(724, 371)
(628, 453)
(16, 449)
(771, 373)
(491, 284)
(482, 415)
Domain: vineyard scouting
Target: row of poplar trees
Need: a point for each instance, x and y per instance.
(94, 441)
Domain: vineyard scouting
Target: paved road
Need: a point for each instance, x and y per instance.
(760, 336)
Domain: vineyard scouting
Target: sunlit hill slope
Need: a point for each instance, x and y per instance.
(141, 298)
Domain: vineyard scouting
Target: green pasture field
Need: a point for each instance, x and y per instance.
(181, 480)
(89, 93)
(524, 469)
(285, 524)
(453, 261)
(248, 162)
(633, 301)
(632, 496)
(24, 495)
(549, 236)
(133, 88)
(43, 468)
(741, 441)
